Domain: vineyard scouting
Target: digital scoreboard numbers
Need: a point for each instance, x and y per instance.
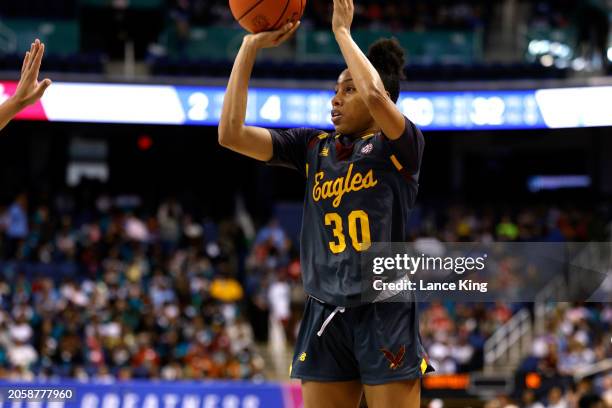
(468, 110)
(429, 110)
(286, 108)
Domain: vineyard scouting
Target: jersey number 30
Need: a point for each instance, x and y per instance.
(335, 220)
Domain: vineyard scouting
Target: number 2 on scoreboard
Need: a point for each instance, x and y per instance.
(334, 220)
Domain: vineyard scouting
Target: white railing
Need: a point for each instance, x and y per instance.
(602, 366)
(546, 301)
(510, 342)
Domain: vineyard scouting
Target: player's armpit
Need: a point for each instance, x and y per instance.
(290, 147)
(250, 141)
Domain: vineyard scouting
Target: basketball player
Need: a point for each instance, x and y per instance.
(29, 90)
(361, 182)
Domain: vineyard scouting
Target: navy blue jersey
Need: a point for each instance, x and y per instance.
(357, 192)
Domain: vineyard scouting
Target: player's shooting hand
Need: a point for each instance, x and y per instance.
(29, 90)
(269, 39)
(343, 15)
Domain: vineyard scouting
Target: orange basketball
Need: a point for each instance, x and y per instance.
(266, 15)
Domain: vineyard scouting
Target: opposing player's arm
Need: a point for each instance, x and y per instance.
(366, 78)
(250, 141)
(29, 90)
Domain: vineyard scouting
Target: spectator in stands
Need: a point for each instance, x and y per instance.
(279, 299)
(29, 90)
(143, 309)
(181, 13)
(556, 399)
(15, 222)
(529, 400)
(274, 234)
(593, 26)
(168, 217)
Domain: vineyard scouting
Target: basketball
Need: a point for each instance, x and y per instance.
(266, 15)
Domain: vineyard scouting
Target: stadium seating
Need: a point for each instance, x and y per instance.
(110, 276)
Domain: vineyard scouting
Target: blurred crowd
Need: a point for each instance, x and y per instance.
(454, 334)
(586, 22)
(576, 337)
(116, 291)
(405, 15)
(541, 223)
(103, 293)
(369, 14)
(164, 32)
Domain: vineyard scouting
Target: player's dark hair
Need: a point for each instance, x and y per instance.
(388, 57)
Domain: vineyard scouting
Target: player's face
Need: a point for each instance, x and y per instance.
(350, 115)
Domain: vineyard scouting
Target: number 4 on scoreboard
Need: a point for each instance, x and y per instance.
(271, 109)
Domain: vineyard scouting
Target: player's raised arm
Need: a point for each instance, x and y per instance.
(367, 80)
(29, 90)
(248, 140)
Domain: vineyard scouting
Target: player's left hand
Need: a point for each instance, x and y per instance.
(29, 90)
(343, 15)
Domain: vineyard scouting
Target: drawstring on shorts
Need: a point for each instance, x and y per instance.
(329, 319)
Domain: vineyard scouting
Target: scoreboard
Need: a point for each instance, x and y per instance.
(283, 108)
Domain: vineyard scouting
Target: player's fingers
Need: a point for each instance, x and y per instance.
(34, 50)
(279, 34)
(29, 54)
(275, 35)
(288, 34)
(42, 87)
(286, 28)
(38, 60)
(26, 62)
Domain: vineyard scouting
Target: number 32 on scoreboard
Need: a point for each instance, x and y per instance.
(334, 220)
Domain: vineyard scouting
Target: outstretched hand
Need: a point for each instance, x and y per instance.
(343, 15)
(29, 90)
(270, 39)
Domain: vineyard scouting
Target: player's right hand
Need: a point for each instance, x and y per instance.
(270, 39)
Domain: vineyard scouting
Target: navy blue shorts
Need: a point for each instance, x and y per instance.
(376, 343)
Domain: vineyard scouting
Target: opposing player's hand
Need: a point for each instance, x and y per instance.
(343, 15)
(29, 90)
(270, 39)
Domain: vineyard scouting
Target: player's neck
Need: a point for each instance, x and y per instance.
(369, 131)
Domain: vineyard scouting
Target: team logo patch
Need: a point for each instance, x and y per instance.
(367, 149)
(395, 360)
(302, 357)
